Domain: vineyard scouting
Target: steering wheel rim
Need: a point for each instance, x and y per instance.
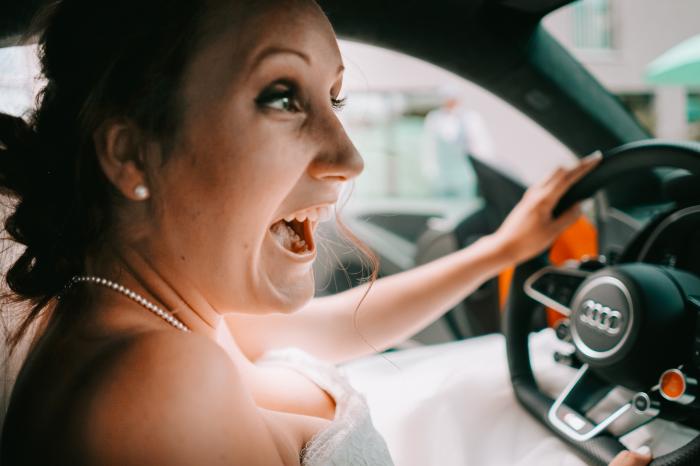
(603, 447)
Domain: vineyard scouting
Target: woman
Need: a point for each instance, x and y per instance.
(179, 161)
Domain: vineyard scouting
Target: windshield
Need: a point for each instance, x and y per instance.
(622, 43)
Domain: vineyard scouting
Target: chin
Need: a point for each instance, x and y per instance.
(285, 280)
(288, 296)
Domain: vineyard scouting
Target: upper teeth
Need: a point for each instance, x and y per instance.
(316, 214)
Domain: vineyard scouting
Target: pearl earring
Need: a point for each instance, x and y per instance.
(141, 192)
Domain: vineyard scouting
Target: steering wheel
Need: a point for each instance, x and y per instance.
(631, 325)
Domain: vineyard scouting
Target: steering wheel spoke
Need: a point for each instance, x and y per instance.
(583, 393)
(554, 287)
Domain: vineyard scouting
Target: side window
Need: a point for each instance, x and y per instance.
(414, 143)
(18, 87)
(419, 128)
(415, 124)
(18, 84)
(445, 161)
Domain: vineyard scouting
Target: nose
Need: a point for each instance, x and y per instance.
(337, 158)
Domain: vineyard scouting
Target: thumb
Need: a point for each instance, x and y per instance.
(643, 451)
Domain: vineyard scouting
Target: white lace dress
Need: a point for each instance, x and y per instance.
(350, 439)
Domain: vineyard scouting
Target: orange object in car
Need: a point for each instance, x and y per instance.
(672, 384)
(576, 242)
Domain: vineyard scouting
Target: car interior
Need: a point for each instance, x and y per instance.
(625, 315)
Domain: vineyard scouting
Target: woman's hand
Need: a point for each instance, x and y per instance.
(530, 228)
(641, 457)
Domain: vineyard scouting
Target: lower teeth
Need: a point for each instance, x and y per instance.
(288, 238)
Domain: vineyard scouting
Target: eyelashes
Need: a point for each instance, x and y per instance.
(338, 104)
(281, 96)
(284, 96)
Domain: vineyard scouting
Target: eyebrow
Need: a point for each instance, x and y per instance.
(270, 51)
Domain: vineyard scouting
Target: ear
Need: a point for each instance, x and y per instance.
(120, 153)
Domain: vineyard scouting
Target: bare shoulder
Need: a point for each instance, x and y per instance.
(171, 398)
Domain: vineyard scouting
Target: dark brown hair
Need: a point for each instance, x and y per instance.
(100, 60)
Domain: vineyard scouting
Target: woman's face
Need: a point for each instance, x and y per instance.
(260, 142)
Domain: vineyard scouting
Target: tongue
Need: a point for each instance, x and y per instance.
(288, 238)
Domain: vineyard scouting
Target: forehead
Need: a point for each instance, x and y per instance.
(235, 43)
(262, 25)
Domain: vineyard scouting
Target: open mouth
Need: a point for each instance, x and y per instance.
(294, 235)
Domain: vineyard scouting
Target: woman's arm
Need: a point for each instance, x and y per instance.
(398, 306)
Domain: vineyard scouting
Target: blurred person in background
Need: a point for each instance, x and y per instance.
(453, 132)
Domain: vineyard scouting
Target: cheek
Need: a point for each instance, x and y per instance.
(257, 153)
(218, 202)
(242, 173)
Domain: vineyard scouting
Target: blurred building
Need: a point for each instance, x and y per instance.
(617, 39)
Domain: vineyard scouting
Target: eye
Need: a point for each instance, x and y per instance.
(280, 96)
(338, 104)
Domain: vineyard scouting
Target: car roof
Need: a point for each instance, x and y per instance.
(15, 15)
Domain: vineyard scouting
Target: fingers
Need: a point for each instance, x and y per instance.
(561, 182)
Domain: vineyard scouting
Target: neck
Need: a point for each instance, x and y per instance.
(165, 287)
(161, 284)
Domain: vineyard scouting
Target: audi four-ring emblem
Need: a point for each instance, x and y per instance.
(601, 317)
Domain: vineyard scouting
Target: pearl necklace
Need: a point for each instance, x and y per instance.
(160, 312)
